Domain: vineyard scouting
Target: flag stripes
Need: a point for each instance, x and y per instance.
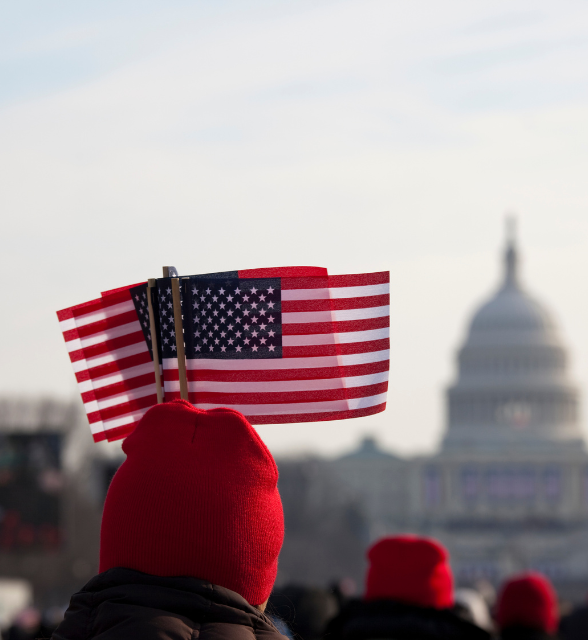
(332, 363)
(335, 357)
(111, 361)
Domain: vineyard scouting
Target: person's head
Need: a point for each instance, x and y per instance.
(197, 496)
(527, 600)
(410, 569)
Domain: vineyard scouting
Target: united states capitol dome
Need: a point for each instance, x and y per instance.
(512, 387)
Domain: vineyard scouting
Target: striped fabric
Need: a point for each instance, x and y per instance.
(111, 359)
(334, 355)
(327, 359)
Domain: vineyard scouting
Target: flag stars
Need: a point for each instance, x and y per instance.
(238, 320)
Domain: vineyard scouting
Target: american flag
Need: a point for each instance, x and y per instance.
(280, 345)
(167, 339)
(108, 341)
(283, 345)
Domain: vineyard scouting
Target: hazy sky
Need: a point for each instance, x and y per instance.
(358, 135)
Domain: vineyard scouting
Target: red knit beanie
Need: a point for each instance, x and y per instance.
(411, 570)
(197, 496)
(528, 600)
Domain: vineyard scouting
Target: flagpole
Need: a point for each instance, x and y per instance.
(179, 337)
(152, 284)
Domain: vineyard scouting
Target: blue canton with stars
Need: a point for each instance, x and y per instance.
(167, 328)
(231, 317)
(139, 296)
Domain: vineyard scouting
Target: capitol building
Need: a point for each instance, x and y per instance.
(508, 489)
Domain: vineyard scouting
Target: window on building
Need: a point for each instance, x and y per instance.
(432, 487)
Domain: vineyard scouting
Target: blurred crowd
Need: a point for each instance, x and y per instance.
(191, 534)
(409, 594)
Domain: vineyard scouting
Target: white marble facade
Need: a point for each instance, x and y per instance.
(508, 490)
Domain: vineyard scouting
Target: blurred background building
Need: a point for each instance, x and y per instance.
(53, 481)
(508, 490)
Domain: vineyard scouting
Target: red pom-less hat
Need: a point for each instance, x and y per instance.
(528, 600)
(197, 496)
(410, 569)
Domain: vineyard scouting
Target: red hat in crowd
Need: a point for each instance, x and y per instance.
(528, 600)
(410, 569)
(197, 496)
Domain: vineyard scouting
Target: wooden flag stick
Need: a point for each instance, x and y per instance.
(151, 284)
(179, 338)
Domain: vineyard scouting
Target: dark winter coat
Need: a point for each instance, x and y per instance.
(121, 604)
(387, 619)
(517, 632)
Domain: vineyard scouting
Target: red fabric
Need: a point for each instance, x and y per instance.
(528, 600)
(410, 569)
(197, 496)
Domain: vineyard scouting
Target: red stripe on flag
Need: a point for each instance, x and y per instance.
(342, 326)
(319, 373)
(336, 349)
(293, 306)
(289, 397)
(119, 387)
(289, 284)
(106, 347)
(80, 310)
(113, 367)
(284, 272)
(120, 409)
(359, 279)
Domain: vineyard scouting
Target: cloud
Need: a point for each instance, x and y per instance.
(331, 134)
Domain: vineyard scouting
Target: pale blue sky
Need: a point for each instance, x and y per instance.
(356, 135)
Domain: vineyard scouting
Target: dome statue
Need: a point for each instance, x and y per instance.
(512, 387)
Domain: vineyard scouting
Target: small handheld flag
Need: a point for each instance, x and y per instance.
(283, 345)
